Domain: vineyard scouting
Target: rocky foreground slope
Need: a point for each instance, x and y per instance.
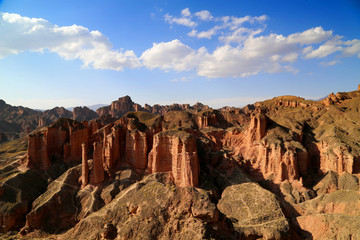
(285, 168)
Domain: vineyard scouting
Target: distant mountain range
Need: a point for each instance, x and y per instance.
(16, 121)
(92, 107)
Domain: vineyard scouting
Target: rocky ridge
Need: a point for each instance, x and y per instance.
(123, 105)
(272, 170)
(19, 121)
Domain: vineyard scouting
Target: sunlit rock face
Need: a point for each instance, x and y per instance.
(266, 171)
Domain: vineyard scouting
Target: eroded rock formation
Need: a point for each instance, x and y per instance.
(272, 170)
(175, 152)
(84, 166)
(62, 140)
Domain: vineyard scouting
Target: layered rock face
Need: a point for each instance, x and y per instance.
(292, 101)
(338, 159)
(175, 152)
(124, 143)
(84, 166)
(266, 156)
(62, 140)
(97, 173)
(136, 149)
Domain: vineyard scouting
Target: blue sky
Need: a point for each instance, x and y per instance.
(75, 53)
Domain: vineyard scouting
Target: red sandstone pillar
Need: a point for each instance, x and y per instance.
(98, 169)
(84, 166)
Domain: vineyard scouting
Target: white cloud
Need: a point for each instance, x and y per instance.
(240, 35)
(291, 57)
(181, 79)
(204, 15)
(241, 51)
(313, 35)
(207, 34)
(307, 49)
(352, 48)
(261, 18)
(70, 42)
(227, 61)
(331, 63)
(185, 20)
(268, 45)
(172, 55)
(193, 33)
(251, 54)
(323, 51)
(204, 34)
(236, 22)
(186, 12)
(239, 20)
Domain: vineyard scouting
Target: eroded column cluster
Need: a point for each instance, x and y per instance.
(123, 145)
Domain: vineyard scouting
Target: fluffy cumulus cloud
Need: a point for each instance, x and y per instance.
(313, 35)
(204, 15)
(242, 47)
(70, 42)
(172, 55)
(184, 19)
(244, 50)
(253, 54)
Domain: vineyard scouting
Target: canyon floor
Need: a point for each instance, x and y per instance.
(285, 168)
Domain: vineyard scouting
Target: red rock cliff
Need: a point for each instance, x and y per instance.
(175, 152)
(337, 159)
(267, 158)
(62, 140)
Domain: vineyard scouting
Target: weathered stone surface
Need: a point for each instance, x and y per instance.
(325, 226)
(254, 211)
(87, 201)
(347, 181)
(151, 209)
(328, 184)
(55, 210)
(339, 202)
(16, 194)
(294, 192)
